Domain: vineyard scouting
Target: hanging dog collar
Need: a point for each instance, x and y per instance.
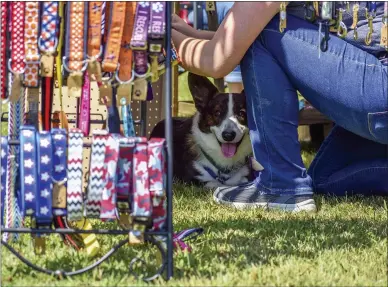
(157, 176)
(74, 60)
(141, 203)
(16, 64)
(28, 170)
(124, 178)
(59, 176)
(83, 121)
(3, 46)
(110, 63)
(95, 29)
(47, 44)
(61, 115)
(384, 28)
(156, 36)
(3, 168)
(139, 48)
(16, 109)
(115, 32)
(74, 176)
(97, 169)
(124, 75)
(44, 216)
(31, 76)
(109, 193)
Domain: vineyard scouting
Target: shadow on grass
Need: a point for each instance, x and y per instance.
(262, 241)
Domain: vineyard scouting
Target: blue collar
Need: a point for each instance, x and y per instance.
(219, 177)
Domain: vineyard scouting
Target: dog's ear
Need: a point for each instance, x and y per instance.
(201, 89)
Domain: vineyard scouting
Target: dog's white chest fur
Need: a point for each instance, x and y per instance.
(213, 178)
(211, 174)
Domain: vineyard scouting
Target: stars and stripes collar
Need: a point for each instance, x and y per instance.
(28, 170)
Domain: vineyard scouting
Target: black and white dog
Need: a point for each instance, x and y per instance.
(212, 147)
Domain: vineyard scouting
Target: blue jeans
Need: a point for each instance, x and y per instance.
(346, 84)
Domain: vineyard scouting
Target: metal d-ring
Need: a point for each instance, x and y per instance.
(122, 82)
(41, 48)
(12, 71)
(96, 57)
(143, 75)
(71, 71)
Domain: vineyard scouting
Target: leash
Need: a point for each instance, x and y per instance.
(124, 76)
(181, 238)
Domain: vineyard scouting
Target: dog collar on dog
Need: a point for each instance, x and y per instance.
(220, 169)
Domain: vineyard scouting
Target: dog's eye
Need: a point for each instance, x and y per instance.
(242, 113)
(217, 113)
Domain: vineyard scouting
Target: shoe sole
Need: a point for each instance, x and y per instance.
(307, 205)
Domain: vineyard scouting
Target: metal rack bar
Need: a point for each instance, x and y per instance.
(168, 128)
(167, 258)
(78, 231)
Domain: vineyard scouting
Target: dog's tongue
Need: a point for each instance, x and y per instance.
(228, 149)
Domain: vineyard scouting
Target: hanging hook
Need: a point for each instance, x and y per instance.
(309, 12)
(324, 42)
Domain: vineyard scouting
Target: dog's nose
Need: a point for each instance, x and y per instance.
(228, 135)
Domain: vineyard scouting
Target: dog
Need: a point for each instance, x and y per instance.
(211, 148)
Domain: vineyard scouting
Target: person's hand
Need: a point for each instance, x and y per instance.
(181, 26)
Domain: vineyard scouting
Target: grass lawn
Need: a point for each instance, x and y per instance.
(344, 244)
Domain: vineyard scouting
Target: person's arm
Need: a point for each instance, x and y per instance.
(220, 55)
(182, 27)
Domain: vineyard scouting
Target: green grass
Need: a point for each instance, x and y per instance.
(344, 244)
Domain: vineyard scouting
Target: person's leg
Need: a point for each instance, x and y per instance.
(348, 164)
(345, 83)
(272, 108)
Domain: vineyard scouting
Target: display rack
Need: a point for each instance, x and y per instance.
(163, 240)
